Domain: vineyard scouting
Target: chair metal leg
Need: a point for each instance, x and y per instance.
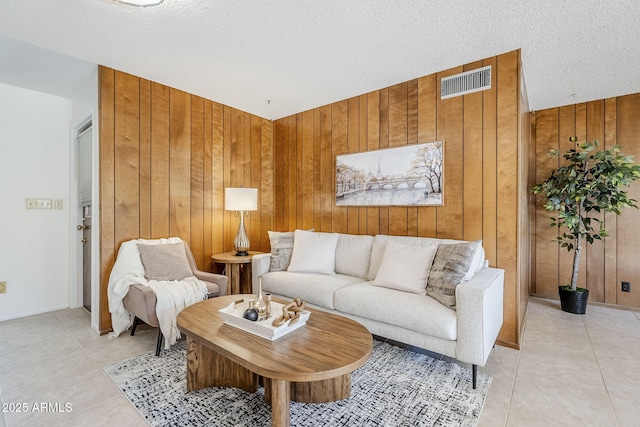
(474, 370)
(159, 345)
(136, 321)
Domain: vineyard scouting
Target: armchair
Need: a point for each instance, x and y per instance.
(140, 299)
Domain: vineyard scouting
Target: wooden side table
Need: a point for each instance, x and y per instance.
(232, 268)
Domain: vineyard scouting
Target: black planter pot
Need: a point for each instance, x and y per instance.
(573, 301)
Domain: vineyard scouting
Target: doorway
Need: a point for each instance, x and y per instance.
(83, 208)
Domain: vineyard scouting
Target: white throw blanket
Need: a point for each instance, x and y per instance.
(172, 296)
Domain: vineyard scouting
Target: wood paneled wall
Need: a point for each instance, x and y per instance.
(486, 168)
(165, 158)
(604, 264)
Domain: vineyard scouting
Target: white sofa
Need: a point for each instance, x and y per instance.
(467, 332)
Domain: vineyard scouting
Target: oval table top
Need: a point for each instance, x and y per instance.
(328, 345)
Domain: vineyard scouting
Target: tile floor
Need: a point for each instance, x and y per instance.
(571, 371)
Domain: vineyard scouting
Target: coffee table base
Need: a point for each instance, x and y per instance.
(322, 391)
(207, 368)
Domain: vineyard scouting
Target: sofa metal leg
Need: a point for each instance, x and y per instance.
(474, 370)
(159, 344)
(135, 323)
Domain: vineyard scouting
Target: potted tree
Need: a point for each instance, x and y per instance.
(591, 181)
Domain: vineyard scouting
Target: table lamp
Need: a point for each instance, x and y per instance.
(241, 200)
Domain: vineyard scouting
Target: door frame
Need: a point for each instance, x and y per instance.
(75, 218)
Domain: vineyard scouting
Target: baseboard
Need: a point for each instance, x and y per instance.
(595, 303)
(33, 313)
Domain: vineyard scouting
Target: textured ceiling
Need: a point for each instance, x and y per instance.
(307, 53)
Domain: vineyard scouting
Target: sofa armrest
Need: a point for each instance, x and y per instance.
(218, 279)
(259, 265)
(479, 306)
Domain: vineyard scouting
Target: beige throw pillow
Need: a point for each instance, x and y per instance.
(405, 267)
(165, 261)
(450, 265)
(314, 252)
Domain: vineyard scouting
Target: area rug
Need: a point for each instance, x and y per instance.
(395, 387)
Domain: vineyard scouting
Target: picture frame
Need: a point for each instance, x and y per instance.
(410, 175)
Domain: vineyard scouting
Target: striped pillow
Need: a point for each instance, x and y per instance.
(451, 263)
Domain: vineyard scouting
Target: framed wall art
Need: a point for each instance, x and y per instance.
(404, 176)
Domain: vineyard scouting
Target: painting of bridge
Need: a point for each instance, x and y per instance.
(402, 176)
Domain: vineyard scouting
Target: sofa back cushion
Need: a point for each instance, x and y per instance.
(353, 255)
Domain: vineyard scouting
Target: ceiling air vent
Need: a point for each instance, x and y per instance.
(467, 82)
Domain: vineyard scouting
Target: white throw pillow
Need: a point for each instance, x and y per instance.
(313, 252)
(405, 267)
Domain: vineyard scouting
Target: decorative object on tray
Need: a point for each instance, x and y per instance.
(251, 314)
(259, 302)
(267, 327)
(291, 313)
(267, 298)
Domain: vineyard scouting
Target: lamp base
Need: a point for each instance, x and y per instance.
(242, 253)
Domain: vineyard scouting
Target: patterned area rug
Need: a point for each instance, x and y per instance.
(395, 387)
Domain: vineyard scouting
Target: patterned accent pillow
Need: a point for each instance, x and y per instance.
(281, 250)
(451, 263)
(165, 261)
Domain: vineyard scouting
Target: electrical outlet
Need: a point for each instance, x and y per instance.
(3, 287)
(626, 287)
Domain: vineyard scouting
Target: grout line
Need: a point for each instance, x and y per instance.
(517, 368)
(604, 382)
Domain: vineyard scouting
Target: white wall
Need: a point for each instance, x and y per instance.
(34, 163)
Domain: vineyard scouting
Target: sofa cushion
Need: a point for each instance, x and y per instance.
(353, 254)
(317, 289)
(450, 265)
(313, 252)
(165, 262)
(418, 313)
(405, 267)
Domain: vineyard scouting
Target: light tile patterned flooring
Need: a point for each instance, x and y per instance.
(571, 370)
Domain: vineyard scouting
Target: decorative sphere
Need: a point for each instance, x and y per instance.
(250, 314)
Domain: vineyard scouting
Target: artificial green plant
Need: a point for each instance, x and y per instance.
(591, 181)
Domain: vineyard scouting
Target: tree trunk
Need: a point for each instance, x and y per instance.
(576, 263)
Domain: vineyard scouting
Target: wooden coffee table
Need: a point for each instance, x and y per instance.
(311, 364)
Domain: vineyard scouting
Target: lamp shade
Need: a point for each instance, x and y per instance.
(241, 199)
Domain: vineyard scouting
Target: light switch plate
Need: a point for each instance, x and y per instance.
(38, 203)
(57, 204)
(3, 287)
